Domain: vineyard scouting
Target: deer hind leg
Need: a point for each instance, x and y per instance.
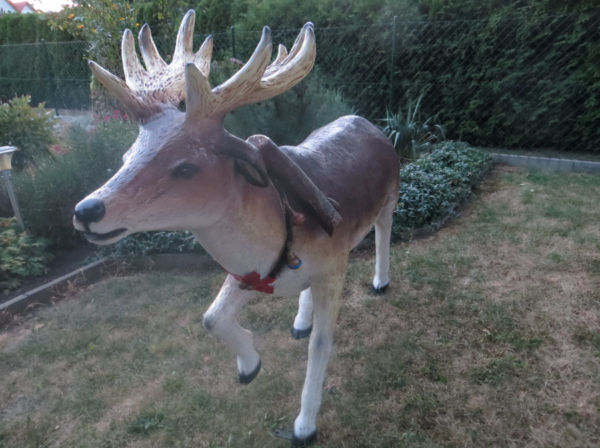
(383, 234)
(221, 321)
(303, 322)
(326, 300)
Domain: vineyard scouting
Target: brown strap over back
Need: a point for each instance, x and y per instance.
(283, 170)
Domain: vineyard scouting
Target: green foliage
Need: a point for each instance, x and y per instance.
(323, 13)
(27, 128)
(433, 185)
(32, 62)
(21, 255)
(289, 118)
(410, 136)
(102, 22)
(522, 77)
(29, 28)
(146, 243)
(48, 193)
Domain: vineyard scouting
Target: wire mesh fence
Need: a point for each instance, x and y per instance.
(525, 82)
(54, 72)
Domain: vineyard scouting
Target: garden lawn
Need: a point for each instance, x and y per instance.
(487, 337)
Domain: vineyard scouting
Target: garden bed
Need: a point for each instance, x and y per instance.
(488, 336)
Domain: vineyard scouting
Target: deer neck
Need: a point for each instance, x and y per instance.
(250, 235)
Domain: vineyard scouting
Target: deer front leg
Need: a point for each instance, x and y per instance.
(220, 320)
(303, 322)
(326, 301)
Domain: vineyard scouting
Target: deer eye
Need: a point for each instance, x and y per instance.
(184, 171)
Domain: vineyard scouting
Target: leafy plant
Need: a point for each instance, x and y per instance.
(433, 185)
(28, 128)
(146, 243)
(49, 192)
(410, 136)
(21, 254)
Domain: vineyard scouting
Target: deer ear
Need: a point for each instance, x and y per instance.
(250, 173)
(248, 160)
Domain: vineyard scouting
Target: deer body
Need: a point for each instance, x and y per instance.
(252, 205)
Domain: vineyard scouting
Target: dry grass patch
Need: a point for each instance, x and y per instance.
(488, 337)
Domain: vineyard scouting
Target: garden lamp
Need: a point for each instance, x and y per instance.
(6, 153)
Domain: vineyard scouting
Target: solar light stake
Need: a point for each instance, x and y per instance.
(6, 153)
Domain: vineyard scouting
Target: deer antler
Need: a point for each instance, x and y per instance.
(148, 92)
(255, 81)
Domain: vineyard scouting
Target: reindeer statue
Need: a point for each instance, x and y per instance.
(280, 220)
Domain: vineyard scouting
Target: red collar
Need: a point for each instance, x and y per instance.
(253, 282)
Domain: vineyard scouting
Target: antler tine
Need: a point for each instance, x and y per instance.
(281, 55)
(283, 58)
(134, 72)
(198, 95)
(296, 65)
(150, 54)
(255, 81)
(232, 92)
(203, 56)
(120, 90)
(162, 85)
(308, 26)
(185, 37)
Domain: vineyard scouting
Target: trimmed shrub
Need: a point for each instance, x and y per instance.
(49, 192)
(28, 128)
(21, 255)
(432, 186)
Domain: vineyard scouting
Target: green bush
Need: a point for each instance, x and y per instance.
(28, 128)
(146, 243)
(513, 80)
(432, 186)
(21, 255)
(49, 192)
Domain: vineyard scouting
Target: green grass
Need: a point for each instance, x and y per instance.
(488, 337)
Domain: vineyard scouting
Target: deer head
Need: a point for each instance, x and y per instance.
(184, 167)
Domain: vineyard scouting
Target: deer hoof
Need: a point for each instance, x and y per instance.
(307, 441)
(381, 290)
(301, 334)
(247, 379)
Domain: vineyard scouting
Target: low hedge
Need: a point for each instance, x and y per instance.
(432, 186)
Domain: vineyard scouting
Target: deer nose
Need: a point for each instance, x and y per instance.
(90, 210)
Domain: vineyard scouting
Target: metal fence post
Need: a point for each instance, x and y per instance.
(50, 96)
(233, 41)
(392, 60)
